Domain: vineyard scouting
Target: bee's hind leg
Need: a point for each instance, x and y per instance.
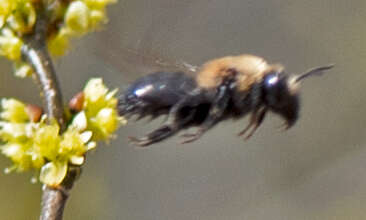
(156, 135)
(175, 121)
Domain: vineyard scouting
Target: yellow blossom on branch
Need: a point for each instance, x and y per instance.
(66, 20)
(100, 106)
(79, 17)
(35, 145)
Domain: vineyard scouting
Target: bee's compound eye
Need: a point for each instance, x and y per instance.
(271, 80)
(275, 89)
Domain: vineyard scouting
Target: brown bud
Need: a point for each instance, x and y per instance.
(76, 103)
(34, 112)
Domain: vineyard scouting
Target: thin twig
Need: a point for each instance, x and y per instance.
(36, 54)
(53, 203)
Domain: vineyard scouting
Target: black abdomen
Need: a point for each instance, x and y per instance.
(155, 93)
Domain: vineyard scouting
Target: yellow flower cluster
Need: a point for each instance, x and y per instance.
(67, 19)
(79, 17)
(17, 17)
(39, 146)
(100, 110)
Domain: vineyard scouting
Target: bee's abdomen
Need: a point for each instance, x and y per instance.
(155, 94)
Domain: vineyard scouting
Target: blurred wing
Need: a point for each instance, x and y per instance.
(139, 61)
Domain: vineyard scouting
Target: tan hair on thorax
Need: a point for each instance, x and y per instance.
(249, 69)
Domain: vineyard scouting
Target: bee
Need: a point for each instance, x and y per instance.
(230, 87)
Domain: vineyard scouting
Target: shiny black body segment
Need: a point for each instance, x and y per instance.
(155, 94)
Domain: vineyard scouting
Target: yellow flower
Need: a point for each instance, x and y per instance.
(59, 43)
(23, 17)
(100, 110)
(13, 111)
(98, 4)
(96, 17)
(71, 149)
(22, 69)
(17, 153)
(10, 47)
(10, 131)
(77, 17)
(53, 173)
(23, 155)
(106, 121)
(6, 6)
(47, 140)
(72, 144)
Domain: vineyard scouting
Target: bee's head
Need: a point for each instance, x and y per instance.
(281, 92)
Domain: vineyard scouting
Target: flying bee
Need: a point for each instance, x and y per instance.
(223, 88)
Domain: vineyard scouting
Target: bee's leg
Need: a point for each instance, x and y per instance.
(157, 135)
(256, 120)
(214, 115)
(174, 123)
(252, 121)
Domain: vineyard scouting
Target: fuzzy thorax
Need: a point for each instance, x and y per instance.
(249, 69)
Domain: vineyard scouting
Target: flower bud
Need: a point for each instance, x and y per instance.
(76, 103)
(77, 17)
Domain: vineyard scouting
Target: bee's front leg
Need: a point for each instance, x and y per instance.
(256, 120)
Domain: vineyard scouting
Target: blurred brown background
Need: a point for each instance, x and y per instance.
(316, 170)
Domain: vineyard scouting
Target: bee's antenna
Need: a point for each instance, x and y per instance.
(313, 71)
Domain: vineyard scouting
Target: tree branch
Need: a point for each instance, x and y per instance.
(35, 52)
(36, 55)
(53, 203)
